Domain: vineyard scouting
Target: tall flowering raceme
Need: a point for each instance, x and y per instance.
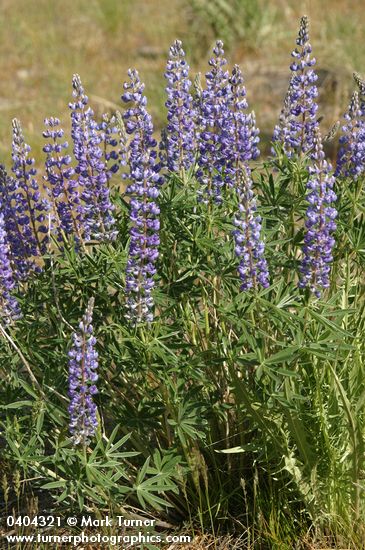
(9, 307)
(240, 135)
(319, 225)
(63, 187)
(30, 208)
(351, 155)
(253, 270)
(95, 210)
(19, 253)
(143, 190)
(83, 364)
(211, 120)
(298, 122)
(180, 131)
(240, 139)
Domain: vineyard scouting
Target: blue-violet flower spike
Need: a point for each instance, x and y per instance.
(96, 210)
(214, 104)
(12, 207)
(63, 188)
(180, 134)
(253, 270)
(143, 189)
(83, 364)
(351, 155)
(30, 207)
(240, 135)
(299, 115)
(9, 307)
(319, 224)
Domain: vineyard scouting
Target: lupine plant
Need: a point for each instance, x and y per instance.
(219, 381)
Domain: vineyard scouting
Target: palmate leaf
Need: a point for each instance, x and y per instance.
(147, 487)
(188, 422)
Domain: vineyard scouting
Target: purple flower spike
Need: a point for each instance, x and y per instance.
(351, 155)
(319, 224)
(30, 208)
(20, 253)
(143, 190)
(83, 363)
(59, 174)
(214, 104)
(253, 270)
(240, 132)
(180, 135)
(9, 307)
(297, 123)
(95, 210)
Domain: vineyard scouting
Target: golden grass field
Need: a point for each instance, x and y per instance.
(43, 42)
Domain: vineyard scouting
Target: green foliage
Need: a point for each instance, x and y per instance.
(232, 408)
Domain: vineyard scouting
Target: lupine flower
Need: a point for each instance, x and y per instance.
(299, 115)
(143, 190)
(83, 363)
(9, 307)
(319, 224)
(30, 208)
(19, 253)
(253, 270)
(95, 210)
(240, 135)
(211, 120)
(59, 174)
(180, 134)
(351, 155)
